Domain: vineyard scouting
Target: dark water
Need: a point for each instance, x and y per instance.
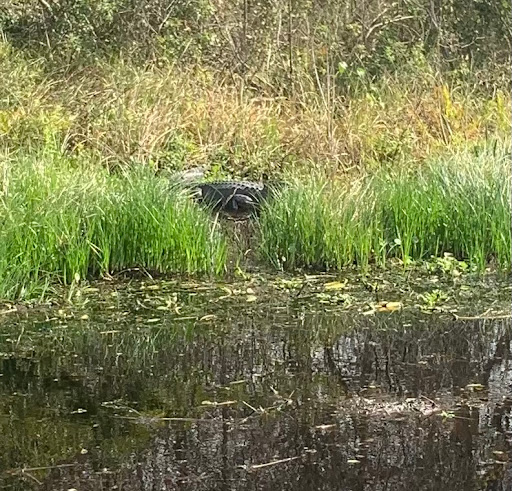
(274, 399)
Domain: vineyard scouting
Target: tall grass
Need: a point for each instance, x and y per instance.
(458, 204)
(62, 220)
(65, 219)
(165, 117)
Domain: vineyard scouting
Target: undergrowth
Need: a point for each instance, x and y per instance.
(126, 115)
(396, 176)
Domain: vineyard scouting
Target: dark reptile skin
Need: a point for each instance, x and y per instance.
(234, 197)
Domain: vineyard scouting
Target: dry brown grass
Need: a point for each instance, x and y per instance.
(171, 118)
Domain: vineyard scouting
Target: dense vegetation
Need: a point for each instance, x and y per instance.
(459, 205)
(97, 95)
(63, 221)
(248, 87)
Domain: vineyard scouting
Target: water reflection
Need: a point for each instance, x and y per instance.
(283, 400)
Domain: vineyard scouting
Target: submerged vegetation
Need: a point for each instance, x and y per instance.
(104, 384)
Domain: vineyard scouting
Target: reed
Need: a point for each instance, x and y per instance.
(63, 220)
(458, 204)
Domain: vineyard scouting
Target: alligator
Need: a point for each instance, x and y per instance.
(234, 198)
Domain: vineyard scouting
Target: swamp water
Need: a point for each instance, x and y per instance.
(163, 386)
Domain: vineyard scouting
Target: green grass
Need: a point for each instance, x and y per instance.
(458, 204)
(62, 220)
(65, 219)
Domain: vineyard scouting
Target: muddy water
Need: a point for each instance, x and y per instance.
(124, 396)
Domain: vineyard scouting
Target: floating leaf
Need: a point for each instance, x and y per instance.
(228, 291)
(79, 411)
(335, 285)
(475, 387)
(252, 298)
(369, 312)
(214, 403)
(388, 306)
(391, 306)
(325, 427)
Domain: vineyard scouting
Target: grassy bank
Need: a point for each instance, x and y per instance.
(459, 204)
(63, 220)
(85, 126)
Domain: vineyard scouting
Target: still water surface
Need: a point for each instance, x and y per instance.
(243, 397)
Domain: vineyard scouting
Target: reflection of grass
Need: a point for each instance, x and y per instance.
(55, 442)
(61, 221)
(459, 204)
(45, 437)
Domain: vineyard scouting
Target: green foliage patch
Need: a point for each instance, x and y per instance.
(459, 205)
(62, 221)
